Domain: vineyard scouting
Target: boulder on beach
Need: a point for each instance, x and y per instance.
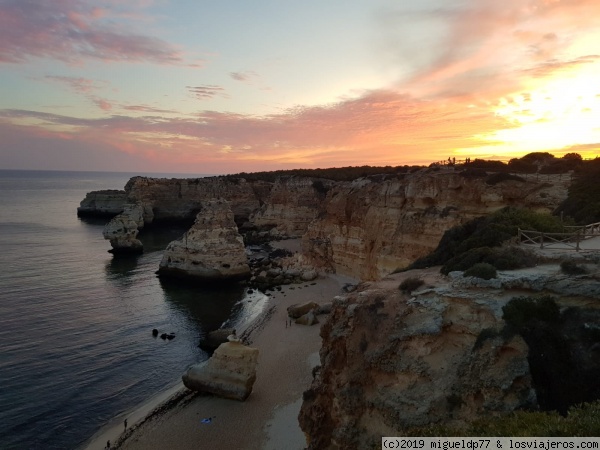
(310, 318)
(296, 311)
(229, 373)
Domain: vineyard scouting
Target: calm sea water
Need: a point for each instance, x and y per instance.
(75, 323)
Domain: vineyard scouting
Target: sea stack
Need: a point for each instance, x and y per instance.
(212, 250)
(123, 229)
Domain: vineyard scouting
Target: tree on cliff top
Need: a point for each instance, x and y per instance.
(583, 201)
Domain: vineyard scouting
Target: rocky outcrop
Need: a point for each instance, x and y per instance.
(180, 199)
(292, 204)
(106, 203)
(370, 228)
(229, 373)
(214, 338)
(212, 250)
(389, 361)
(123, 229)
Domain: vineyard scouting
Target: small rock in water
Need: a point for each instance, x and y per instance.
(154, 332)
(163, 336)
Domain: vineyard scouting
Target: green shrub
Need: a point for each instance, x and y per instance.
(490, 231)
(410, 284)
(503, 258)
(521, 311)
(572, 268)
(499, 177)
(481, 270)
(581, 420)
(583, 201)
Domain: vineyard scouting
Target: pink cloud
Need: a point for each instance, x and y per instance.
(101, 103)
(78, 84)
(380, 127)
(72, 31)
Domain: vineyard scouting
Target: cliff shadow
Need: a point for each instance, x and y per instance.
(210, 307)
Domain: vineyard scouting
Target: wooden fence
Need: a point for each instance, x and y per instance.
(570, 238)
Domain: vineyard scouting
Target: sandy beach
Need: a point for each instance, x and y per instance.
(268, 418)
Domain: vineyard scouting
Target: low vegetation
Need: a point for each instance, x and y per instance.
(570, 267)
(490, 231)
(581, 420)
(583, 201)
(410, 284)
(484, 271)
(501, 258)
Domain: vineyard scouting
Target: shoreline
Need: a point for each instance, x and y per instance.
(268, 418)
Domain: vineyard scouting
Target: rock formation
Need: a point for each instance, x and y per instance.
(370, 228)
(229, 373)
(214, 338)
(180, 199)
(292, 204)
(123, 229)
(107, 203)
(212, 250)
(389, 362)
(366, 228)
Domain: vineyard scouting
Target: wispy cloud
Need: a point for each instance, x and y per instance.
(379, 127)
(244, 76)
(78, 84)
(207, 92)
(73, 31)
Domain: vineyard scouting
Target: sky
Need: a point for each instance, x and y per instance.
(215, 87)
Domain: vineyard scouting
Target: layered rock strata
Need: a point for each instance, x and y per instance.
(106, 203)
(229, 373)
(389, 361)
(370, 228)
(180, 199)
(292, 204)
(123, 229)
(212, 250)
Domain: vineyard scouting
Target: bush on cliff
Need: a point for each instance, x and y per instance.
(410, 284)
(490, 231)
(583, 201)
(484, 271)
(502, 258)
(563, 350)
(572, 268)
(581, 420)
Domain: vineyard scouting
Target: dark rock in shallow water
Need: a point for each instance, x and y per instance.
(213, 339)
(163, 336)
(154, 332)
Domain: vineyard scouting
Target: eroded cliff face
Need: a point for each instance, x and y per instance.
(391, 361)
(370, 228)
(292, 204)
(211, 250)
(179, 199)
(106, 203)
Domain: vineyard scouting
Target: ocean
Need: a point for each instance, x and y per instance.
(76, 323)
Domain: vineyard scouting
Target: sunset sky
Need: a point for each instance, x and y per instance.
(211, 87)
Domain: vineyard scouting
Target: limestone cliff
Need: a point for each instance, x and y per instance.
(123, 229)
(292, 204)
(106, 203)
(211, 250)
(391, 361)
(179, 199)
(370, 228)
